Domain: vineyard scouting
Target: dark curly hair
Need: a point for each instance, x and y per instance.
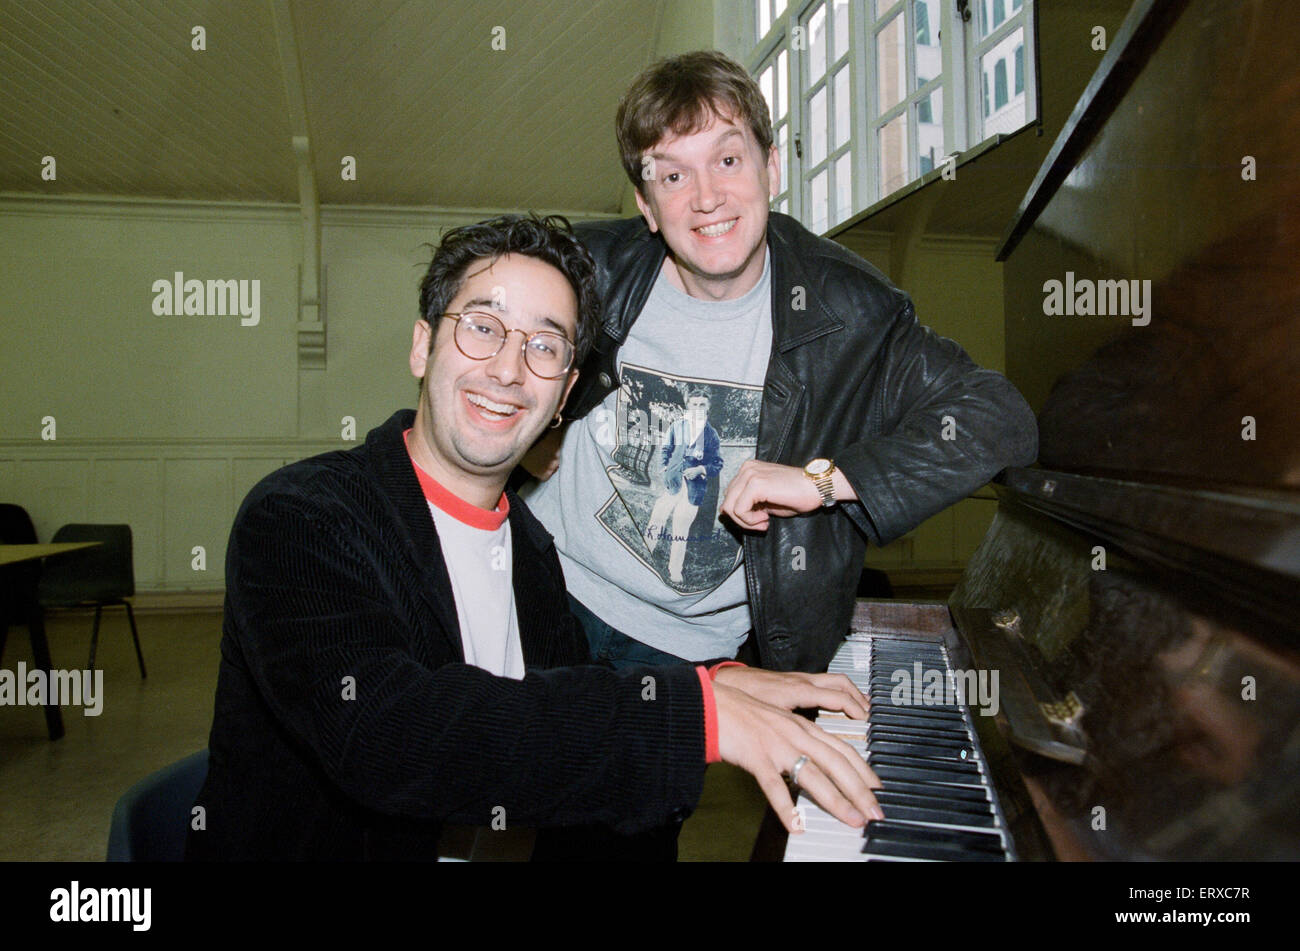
(550, 239)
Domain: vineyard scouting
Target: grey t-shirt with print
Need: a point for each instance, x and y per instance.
(634, 503)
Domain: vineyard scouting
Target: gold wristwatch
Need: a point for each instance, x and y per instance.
(820, 471)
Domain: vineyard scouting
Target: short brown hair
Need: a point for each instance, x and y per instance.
(681, 95)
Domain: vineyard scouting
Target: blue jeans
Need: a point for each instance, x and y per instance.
(611, 646)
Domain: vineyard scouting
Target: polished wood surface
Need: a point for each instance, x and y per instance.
(1144, 583)
(1178, 172)
(16, 554)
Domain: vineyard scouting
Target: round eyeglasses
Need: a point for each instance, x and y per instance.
(480, 336)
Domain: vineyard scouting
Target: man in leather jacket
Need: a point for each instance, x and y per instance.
(869, 423)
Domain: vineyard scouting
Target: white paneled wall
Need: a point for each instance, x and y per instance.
(163, 422)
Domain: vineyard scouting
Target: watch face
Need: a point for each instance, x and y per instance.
(817, 466)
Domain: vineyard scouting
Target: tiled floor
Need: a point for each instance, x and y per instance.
(56, 799)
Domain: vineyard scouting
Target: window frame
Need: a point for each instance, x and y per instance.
(963, 118)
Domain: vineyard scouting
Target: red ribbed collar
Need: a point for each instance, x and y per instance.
(488, 520)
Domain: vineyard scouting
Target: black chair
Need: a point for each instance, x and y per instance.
(17, 582)
(101, 576)
(19, 604)
(152, 819)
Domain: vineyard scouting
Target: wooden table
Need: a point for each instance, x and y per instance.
(14, 554)
(35, 616)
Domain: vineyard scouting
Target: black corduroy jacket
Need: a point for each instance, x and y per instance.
(347, 725)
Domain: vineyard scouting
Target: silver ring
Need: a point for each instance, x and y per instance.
(794, 771)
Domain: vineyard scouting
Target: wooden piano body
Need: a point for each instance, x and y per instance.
(1139, 591)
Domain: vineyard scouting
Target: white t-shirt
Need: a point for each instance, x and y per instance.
(477, 550)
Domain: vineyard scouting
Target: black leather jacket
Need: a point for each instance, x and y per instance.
(853, 377)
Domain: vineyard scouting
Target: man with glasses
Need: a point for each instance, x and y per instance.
(397, 646)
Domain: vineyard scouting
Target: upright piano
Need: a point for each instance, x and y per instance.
(1138, 593)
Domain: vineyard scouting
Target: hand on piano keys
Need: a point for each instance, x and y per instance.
(798, 691)
(934, 788)
(767, 739)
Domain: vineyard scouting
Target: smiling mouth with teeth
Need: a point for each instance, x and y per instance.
(716, 230)
(490, 408)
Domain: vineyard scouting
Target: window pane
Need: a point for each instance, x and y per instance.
(817, 212)
(842, 106)
(843, 187)
(893, 154)
(783, 83)
(841, 32)
(922, 14)
(783, 206)
(1020, 68)
(929, 55)
(993, 13)
(929, 131)
(1003, 112)
(817, 45)
(817, 120)
(882, 6)
(764, 18)
(891, 66)
(765, 84)
(780, 6)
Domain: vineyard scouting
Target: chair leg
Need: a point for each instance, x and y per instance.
(130, 615)
(94, 636)
(41, 654)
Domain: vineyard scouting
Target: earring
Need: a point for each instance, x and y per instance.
(556, 423)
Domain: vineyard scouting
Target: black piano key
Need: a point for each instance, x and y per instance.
(920, 762)
(929, 745)
(889, 679)
(957, 839)
(963, 793)
(951, 711)
(895, 812)
(883, 671)
(882, 727)
(918, 775)
(890, 664)
(917, 712)
(938, 754)
(896, 717)
(905, 733)
(891, 797)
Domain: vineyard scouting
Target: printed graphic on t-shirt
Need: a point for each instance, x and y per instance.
(677, 443)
